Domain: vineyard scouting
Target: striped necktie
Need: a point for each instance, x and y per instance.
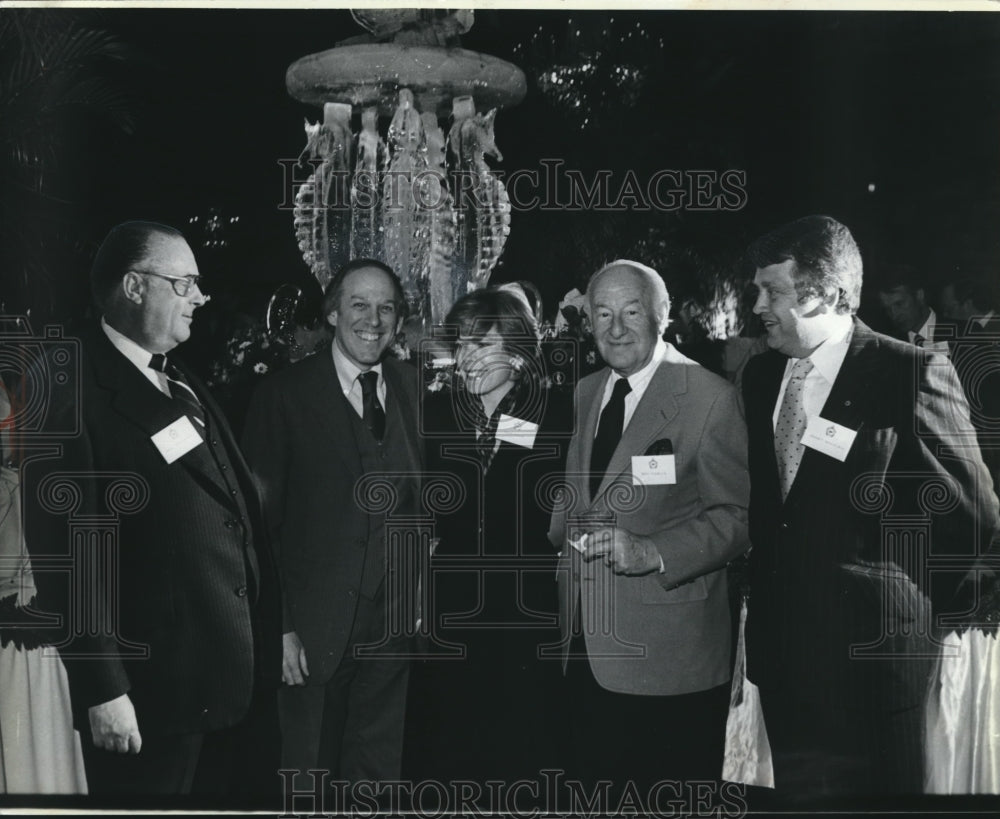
(180, 390)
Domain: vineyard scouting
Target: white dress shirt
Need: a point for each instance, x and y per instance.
(347, 374)
(637, 381)
(926, 331)
(139, 356)
(982, 321)
(827, 360)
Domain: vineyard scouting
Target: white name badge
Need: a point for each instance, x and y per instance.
(177, 439)
(652, 470)
(829, 438)
(516, 431)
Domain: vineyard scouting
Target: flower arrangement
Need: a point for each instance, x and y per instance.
(248, 352)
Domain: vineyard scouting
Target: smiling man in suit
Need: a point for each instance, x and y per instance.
(864, 472)
(315, 431)
(174, 630)
(656, 507)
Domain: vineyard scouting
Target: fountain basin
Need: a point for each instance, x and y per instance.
(371, 74)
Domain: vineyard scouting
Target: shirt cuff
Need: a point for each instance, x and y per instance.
(663, 569)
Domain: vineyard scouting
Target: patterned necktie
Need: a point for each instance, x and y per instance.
(486, 428)
(372, 412)
(791, 426)
(180, 390)
(918, 339)
(609, 433)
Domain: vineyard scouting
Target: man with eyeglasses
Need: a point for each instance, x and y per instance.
(170, 636)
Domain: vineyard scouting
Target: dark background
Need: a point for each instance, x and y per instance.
(814, 107)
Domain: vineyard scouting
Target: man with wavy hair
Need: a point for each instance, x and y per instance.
(865, 473)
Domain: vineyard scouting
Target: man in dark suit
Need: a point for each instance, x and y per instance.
(327, 438)
(903, 296)
(172, 621)
(656, 507)
(865, 476)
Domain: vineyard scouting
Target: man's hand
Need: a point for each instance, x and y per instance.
(623, 552)
(114, 727)
(294, 668)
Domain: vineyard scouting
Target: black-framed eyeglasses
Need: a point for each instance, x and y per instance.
(182, 284)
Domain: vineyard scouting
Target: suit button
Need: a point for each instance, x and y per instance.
(223, 467)
(232, 492)
(352, 593)
(214, 442)
(241, 591)
(204, 712)
(229, 524)
(784, 527)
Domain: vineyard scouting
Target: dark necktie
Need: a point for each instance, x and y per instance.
(180, 390)
(918, 339)
(609, 433)
(372, 412)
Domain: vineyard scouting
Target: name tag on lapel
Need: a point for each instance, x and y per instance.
(653, 470)
(516, 431)
(829, 438)
(177, 439)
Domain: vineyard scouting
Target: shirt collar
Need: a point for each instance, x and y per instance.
(926, 331)
(829, 356)
(138, 355)
(638, 380)
(348, 371)
(982, 321)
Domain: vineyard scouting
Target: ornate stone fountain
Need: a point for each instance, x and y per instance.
(423, 201)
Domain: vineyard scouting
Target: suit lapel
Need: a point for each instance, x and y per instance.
(396, 398)
(589, 397)
(656, 409)
(330, 410)
(765, 398)
(135, 398)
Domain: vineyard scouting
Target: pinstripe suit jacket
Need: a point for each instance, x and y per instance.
(188, 603)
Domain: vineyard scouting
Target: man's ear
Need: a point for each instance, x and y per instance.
(133, 287)
(331, 318)
(834, 295)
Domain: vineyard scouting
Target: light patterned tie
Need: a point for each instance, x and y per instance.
(791, 426)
